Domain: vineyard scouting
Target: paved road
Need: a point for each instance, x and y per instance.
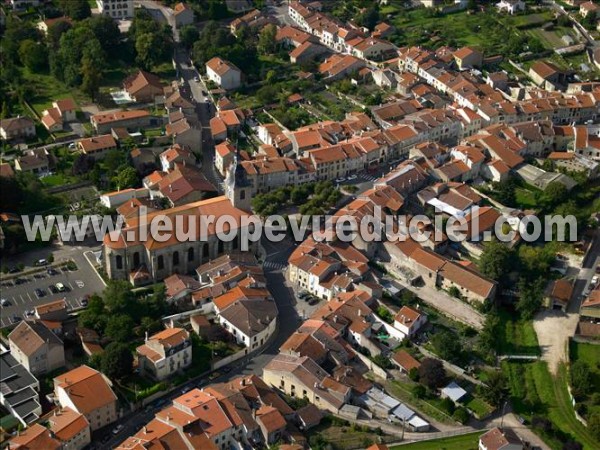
(587, 271)
(22, 297)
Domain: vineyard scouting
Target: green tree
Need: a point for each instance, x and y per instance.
(594, 425)
(91, 78)
(106, 31)
(531, 296)
(118, 296)
(581, 378)
(55, 31)
(266, 40)
(495, 392)
(126, 178)
(116, 361)
(33, 55)
(487, 338)
(496, 260)
(75, 9)
(447, 345)
(188, 35)
(432, 373)
(119, 328)
(461, 415)
(554, 194)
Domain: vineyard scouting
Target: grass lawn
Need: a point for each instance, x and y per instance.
(518, 336)
(525, 198)
(534, 392)
(58, 179)
(344, 435)
(479, 407)
(590, 354)
(463, 442)
(47, 89)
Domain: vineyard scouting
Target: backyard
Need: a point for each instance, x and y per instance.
(518, 336)
(462, 442)
(344, 435)
(590, 354)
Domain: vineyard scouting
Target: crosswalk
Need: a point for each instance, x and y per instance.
(273, 265)
(366, 177)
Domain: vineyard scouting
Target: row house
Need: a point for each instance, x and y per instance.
(130, 119)
(242, 412)
(66, 430)
(439, 272)
(326, 268)
(301, 377)
(266, 174)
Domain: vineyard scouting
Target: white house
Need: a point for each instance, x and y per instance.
(165, 353)
(224, 73)
(511, 6)
(117, 9)
(117, 198)
(409, 321)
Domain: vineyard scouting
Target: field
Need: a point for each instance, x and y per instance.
(344, 435)
(590, 354)
(518, 337)
(551, 38)
(534, 393)
(46, 89)
(462, 442)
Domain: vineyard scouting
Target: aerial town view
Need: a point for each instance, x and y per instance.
(300, 224)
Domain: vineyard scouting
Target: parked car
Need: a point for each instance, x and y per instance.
(14, 270)
(303, 294)
(84, 302)
(116, 430)
(39, 292)
(352, 177)
(60, 287)
(52, 271)
(340, 180)
(21, 281)
(16, 318)
(40, 262)
(4, 302)
(313, 301)
(53, 289)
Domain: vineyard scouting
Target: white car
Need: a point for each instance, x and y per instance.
(4, 302)
(60, 287)
(116, 430)
(340, 180)
(352, 177)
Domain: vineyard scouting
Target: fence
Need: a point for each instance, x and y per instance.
(372, 366)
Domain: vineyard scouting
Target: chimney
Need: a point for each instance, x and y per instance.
(146, 337)
(145, 429)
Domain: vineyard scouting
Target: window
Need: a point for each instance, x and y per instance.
(160, 262)
(176, 258)
(243, 194)
(136, 259)
(119, 261)
(191, 254)
(220, 247)
(205, 250)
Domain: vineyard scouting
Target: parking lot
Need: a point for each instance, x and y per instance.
(22, 293)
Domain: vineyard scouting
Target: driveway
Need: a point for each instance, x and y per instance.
(553, 329)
